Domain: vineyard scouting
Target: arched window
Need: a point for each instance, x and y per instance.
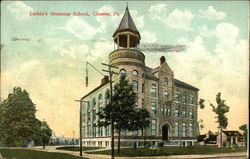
(123, 71)
(153, 90)
(176, 112)
(184, 129)
(153, 108)
(135, 73)
(169, 110)
(100, 99)
(191, 115)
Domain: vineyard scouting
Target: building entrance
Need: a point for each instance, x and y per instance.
(165, 132)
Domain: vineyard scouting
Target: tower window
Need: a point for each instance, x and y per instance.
(153, 90)
(122, 72)
(166, 96)
(135, 73)
(135, 85)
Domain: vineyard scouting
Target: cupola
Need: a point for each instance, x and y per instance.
(127, 35)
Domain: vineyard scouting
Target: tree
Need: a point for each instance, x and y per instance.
(141, 121)
(244, 129)
(18, 122)
(125, 108)
(17, 118)
(43, 133)
(221, 109)
(200, 122)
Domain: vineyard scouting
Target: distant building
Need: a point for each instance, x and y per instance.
(208, 139)
(230, 138)
(171, 102)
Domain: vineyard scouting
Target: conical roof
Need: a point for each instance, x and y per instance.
(126, 23)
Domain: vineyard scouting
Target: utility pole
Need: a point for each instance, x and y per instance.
(112, 109)
(81, 101)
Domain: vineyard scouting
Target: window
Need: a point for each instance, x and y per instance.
(122, 72)
(135, 133)
(107, 131)
(94, 131)
(191, 115)
(100, 99)
(184, 113)
(176, 112)
(169, 111)
(166, 95)
(176, 129)
(177, 95)
(153, 127)
(184, 99)
(191, 129)
(94, 115)
(93, 102)
(153, 108)
(135, 73)
(89, 130)
(100, 131)
(153, 90)
(88, 115)
(166, 80)
(135, 85)
(184, 129)
(142, 88)
(191, 99)
(123, 132)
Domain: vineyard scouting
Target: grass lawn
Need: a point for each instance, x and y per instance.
(33, 154)
(164, 151)
(76, 148)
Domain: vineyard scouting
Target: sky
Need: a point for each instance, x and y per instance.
(46, 55)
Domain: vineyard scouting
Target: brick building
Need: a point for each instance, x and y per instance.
(172, 103)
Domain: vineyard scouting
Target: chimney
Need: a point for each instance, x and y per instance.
(162, 59)
(105, 79)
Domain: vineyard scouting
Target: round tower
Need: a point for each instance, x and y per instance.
(126, 57)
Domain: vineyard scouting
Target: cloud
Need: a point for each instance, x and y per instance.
(20, 10)
(80, 28)
(157, 11)
(105, 21)
(226, 33)
(148, 37)
(138, 20)
(212, 14)
(223, 70)
(206, 32)
(178, 19)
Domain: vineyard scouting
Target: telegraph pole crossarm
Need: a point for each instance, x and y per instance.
(81, 123)
(112, 109)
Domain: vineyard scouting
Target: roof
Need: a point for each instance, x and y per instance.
(100, 86)
(126, 23)
(232, 133)
(149, 73)
(184, 85)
